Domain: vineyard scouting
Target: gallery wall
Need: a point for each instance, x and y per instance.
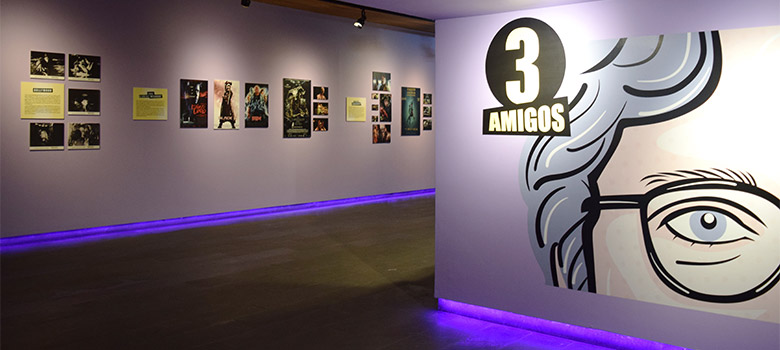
(151, 170)
(484, 253)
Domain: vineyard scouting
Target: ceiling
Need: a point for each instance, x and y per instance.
(415, 15)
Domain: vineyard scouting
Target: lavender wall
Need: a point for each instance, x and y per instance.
(148, 170)
(483, 251)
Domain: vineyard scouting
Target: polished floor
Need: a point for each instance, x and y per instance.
(351, 278)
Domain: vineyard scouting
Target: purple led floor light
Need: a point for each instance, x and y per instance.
(558, 329)
(30, 242)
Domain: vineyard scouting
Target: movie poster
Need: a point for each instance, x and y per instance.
(410, 111)
(226, 104)
(47, 65)
(83, 136)
(320, 108)
(47, 136)
(84, 68)
(256, 101)
(380, 81)
(381, 133)
(320, 124)
(385, 108)
(297, 112)
(194, 103)
(83, 102)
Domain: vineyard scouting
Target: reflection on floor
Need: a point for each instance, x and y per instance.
(346, 278)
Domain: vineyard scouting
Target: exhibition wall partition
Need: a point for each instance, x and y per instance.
(610, 165)
(135, 111)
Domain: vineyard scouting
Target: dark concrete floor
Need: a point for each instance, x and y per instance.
(350, 278)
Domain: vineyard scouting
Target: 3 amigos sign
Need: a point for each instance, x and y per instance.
(525, 66)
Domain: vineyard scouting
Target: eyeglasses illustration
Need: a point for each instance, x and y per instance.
(707, 239)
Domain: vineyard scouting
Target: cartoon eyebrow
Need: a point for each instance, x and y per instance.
(713, 173)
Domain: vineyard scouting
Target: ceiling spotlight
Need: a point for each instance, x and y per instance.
(246, 3)
(362, 20)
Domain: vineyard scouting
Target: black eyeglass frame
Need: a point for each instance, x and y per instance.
(640, 201)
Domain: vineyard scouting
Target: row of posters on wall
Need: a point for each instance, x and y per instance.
(41, 100)
(410, 109)
(44, 100)
(299, 106)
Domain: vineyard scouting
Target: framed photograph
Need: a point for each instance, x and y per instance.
(297, 112)
(84, 68)
(374, 107)
(427, 99)
(385, 108)
(321, 93)
(375, 119)
(427, 124)
(427, 111)
(226, 104)
(47, 65)
(256, 102)
(381, 133)
(194, 109)
(320, 108)
(320, 124)
(380, 81)
(374, 95)
(47, 136)
(410, 111)
(83, 136)
(83, 102)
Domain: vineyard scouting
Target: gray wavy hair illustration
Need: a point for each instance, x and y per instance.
(636, 81)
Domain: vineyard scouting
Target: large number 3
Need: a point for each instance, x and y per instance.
(527, 90)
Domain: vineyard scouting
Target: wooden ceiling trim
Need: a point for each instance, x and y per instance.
(340, 9)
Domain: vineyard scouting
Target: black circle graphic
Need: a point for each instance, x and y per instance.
(500, 64)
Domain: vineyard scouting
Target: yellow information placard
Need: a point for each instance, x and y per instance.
(150, 104)
(42, 100)
(356, 109)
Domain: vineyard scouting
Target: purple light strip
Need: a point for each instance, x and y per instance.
(72, 237)
(557, 329)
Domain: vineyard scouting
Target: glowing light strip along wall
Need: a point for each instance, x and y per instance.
(30, 242)
(558, 329)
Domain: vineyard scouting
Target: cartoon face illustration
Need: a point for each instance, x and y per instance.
(664, 193)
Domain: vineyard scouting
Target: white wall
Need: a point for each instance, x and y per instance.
(483, 251)
(149, 170)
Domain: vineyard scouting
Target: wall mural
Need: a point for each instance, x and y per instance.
(666, 190)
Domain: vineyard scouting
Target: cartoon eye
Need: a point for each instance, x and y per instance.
(707, 225)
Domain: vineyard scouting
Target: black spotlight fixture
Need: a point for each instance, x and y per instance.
(246, 3)
(362, 20)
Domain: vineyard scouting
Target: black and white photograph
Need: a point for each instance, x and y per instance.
(84, 68)
(83, 136)
(47, 65)
(83, 102)
(47, 136)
